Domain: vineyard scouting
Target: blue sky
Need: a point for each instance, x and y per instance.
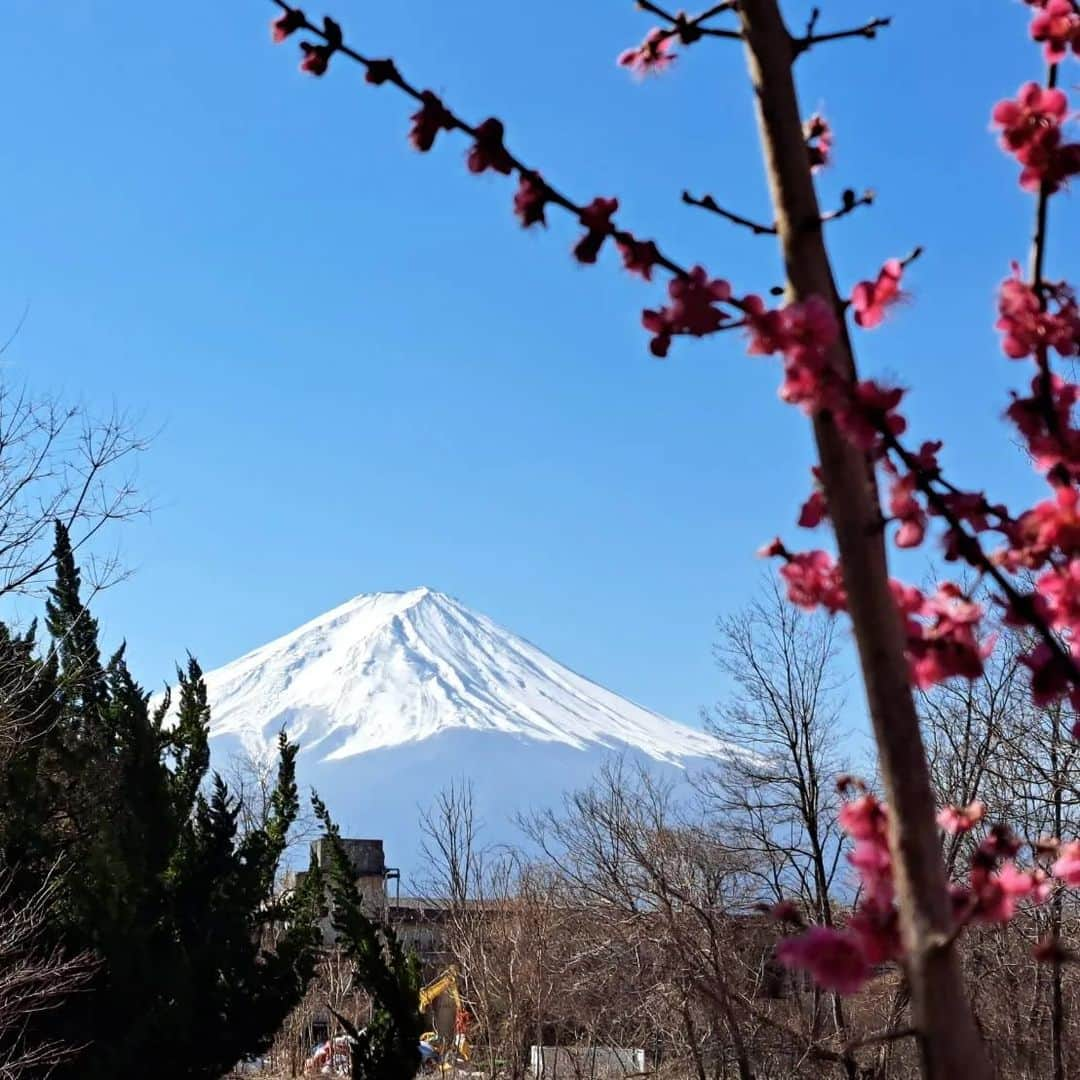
(366, 377)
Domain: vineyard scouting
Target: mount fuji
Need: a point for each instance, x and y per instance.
(392, 695)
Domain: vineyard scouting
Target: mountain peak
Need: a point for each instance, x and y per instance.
(392, 668)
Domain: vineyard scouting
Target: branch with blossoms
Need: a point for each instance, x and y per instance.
(695, 296)
(845, 959)
(698, 302)
(655, 54)
(904, 636)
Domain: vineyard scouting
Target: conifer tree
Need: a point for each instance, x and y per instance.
(198, 961)
(28, 717)
(74, 631)
(388, 1048)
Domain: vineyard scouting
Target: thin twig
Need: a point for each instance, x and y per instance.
(878, 1037)
(916, 252)
(710, 31)
(18, 327)
(867, 30)
(1038, 243)
(717, 9)
(655, 9)
(707, 202)
(681, 25)
(851, 202)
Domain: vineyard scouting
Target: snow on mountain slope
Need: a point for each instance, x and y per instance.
(388, 670)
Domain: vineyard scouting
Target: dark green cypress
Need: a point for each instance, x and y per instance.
(389, 1047)
(74, 631)
(198, 961)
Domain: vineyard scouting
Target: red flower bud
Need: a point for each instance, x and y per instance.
(380, 71)
(316, 58)
(488, 151)
(286, 24)
(431, 118)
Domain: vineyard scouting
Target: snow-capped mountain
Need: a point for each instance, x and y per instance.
(392, 694)
(392, 668)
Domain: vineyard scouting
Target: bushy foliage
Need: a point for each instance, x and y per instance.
(197, 961)
(388, 1047)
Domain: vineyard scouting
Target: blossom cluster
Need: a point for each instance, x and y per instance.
(1030, 321)
(1056, 24)
(654, 55)
(1032, 131)
(818, 136)
(845, 958)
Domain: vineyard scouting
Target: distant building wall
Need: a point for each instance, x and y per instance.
(588, 1062)
(368, 862)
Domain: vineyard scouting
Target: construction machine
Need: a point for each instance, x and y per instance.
(446, 983)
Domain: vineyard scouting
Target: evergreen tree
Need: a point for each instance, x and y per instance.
(75, 634)
(198, 961)
(29, 714)
(388, 1048)
(247, 965)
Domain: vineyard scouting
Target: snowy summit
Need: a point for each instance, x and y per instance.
(391, 669)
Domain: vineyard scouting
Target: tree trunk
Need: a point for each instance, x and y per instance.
(950, 1041)
(692, 1042)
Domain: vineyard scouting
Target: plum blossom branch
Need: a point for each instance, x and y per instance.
(654, 53)
(689, 30)
(810, 39)
(1047, 187)
(849, 203)
(707, 202)
(1021, 604)
(699, 305)
(489, 151)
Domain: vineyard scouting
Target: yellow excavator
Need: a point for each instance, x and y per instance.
(446, 983)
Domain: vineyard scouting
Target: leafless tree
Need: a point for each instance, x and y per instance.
(479, 892)
(450, 843)
(332, 993)
(624, 848)
(777, 798)
(60, 463)
(252, 776)
(33, 979)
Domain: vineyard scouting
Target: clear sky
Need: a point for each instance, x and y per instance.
(366, 377)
